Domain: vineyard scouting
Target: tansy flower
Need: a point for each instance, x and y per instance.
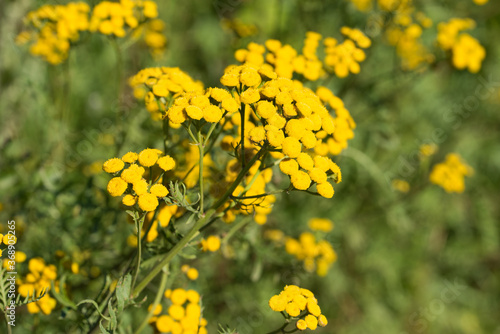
(113, 165)
(148, 202)
(325, 189)
(130, 157)
(212, 243)
(148, 157)
(300, 180)
(133, 173)
(159, 190)
(166, 163)
(129, 200)
(116, 186)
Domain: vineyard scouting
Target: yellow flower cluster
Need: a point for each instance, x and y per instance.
(467, 52)
(191, 273)
(426, 150)
(155, 38)
(450, 174)
(184, 314)
(344, 125)
(344, 58)
(316, 255)
(54, 28)
(299, 303)
(159, 85)
(241, 29)
(400, 185)
(36, 280)
(405, 33)
(210, 244)
(115, 18)
(130, 180)
(285, 61)
(292, 120)
(308, 64)
(362, 5)
(197, 106)
(320, 224)
(480, 2)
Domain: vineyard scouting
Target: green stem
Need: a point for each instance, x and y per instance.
(197, 226)
(201, 146)
(240, 176)
(242, 143)
(138, 223)
(176, 249)
(281, 329)
(156, 301)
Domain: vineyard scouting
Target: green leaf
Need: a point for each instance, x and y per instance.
(112, 314)
(90, 301)
(103, 330)
(123, 291)
(60, 297)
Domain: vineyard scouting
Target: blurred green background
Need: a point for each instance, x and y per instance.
(421, 262)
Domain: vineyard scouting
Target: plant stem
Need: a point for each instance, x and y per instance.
(201, 146)
(168, 257)
(240, 176)
(242, 141)
(281, 329)
(156, 301)
(197, 226)
(138, 223)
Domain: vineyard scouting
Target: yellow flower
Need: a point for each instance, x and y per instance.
(289, 166)
(320, 224)
(212, 243)
(140, 187)
(301, 324)
(312, 322)
(325, 189)
(250, 78)
(130, 157)
(164, 323)
(148, 202)
(159, 190)
(129, 200)
(193, 296)
(192, 274)
(301, 180)
(113, 165)
(148, 157)
(133, 173)
(212, 114)
(249, 96)
(166, 163)
(178, 296)
(277, 303)
(292, 309)
(194, 112)
(313, 307)
(291, 147)
(322, 321)
(116, 186)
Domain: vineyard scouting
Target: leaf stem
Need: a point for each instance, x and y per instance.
(176, 249)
